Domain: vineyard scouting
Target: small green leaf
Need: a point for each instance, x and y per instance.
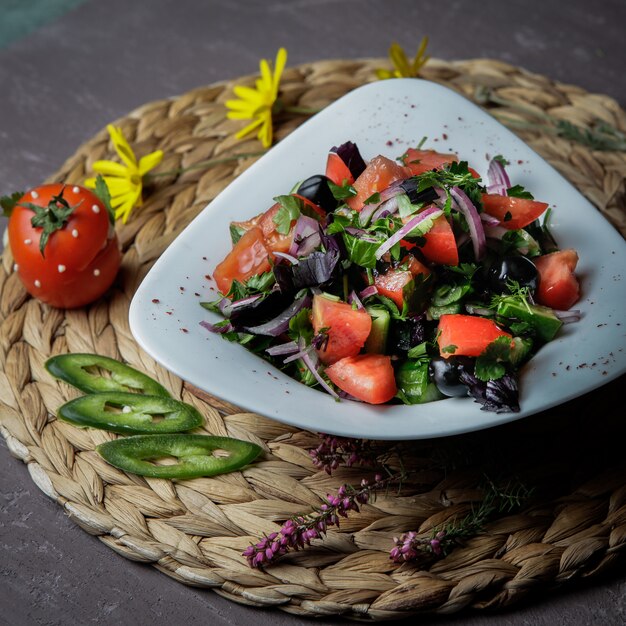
(102, 191)
(517, 191)
(373, 199)
(289, 211)
(451, 349)
(236, 232)
(342, 192)
(7, 203)
(490, 364)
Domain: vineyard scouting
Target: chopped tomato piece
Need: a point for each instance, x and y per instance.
(420, 161)
(248, 257)
(466, 335)
(397, 284)
(513, 213)
(347, 328)
(440, 246)
(338, 172)
(558, 285)
(379, 174)
(367, 377)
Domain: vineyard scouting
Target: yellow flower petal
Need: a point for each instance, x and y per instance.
(119, 186)
(240, 105)
(265, 132)
(240, 115)
(384, 74)
(90, 183)
(248, 94)
(265, 82)
(125, 209)
(149, 161)
(281, 61)
(109, 168)
(399, 60)
(248, 129)
(121, 146)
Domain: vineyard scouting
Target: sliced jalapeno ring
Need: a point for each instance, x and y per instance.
(197, 455)
(74, 369)
(130, 413)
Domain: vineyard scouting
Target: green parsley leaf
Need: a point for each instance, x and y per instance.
(7, 203)
(451, 349)
(490, 364)
(373, 199)
(260, 283)
(300, 326)
(289, 211)
(517, 191)
(500, 159)
(236, 233)
(361, 251)
(342, 192)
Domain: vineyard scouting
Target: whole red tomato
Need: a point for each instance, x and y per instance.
(65, 249)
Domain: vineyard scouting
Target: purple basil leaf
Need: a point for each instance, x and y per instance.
(350, 155)
(500, 396)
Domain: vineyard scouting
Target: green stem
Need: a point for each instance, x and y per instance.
(206, 164)
(301, 110)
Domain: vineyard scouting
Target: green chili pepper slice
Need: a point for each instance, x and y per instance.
(74, 369)
(130, 413)
(197, 455)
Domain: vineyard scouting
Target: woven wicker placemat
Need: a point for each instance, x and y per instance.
(573, 527)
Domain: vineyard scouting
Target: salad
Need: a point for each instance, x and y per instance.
(399, 281)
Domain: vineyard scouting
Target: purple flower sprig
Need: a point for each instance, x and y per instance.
(498, 499)
(299, 531)
(409, 546)
(335, 451)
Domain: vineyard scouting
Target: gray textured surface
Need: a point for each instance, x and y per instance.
(64, 82)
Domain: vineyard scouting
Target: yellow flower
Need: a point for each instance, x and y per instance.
(124, 180)
(402, 67)
(257, 104)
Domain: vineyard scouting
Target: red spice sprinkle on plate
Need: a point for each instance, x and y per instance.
(155, 301)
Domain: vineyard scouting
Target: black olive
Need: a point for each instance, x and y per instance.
(510, 269)
(445, 374)
(316, 190)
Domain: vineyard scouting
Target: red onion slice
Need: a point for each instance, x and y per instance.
(401, 233)
(368, 292)
(300, 354)
(499, 180)
(288, 257)
(568, 317)
(354, 299)
(283, 348)
(227, 306)
(477, 233)
(306, 227)
(280, 323)
(214, 328)
(386, 208)
(312, 363)
(489, 219)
